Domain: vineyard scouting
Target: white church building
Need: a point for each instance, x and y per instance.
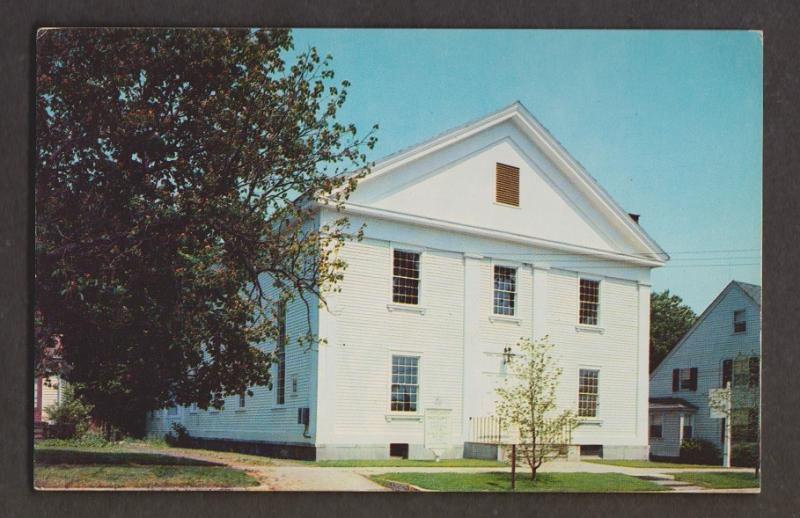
(474, 239)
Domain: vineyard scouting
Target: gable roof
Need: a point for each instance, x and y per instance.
(751, 290)
(571, 168)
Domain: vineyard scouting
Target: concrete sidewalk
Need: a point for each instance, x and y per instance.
(289, 476)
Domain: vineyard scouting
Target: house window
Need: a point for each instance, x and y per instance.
(173, 410)
(587, 392)
(656, 426)
(684, 379)
(405, 281)
(741, 372)
(242, 401)
(688, 426)
(280, 352)
(753, 364)
(405, 383)
(590, 301)
(739, 322)
(505, 290)
(193, 408)
(727, 372)
(507, 185)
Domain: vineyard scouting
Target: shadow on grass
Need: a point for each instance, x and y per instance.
(50, 456)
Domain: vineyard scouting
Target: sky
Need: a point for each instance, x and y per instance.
(668, 122)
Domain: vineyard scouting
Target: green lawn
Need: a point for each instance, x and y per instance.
(501, 481)
(107, 468)
(720, 480)
(406, 463)
(649, 464)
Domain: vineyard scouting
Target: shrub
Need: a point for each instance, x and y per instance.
(699, 451)
(71, 417)
(178, 436)
(744, 455)
(90, 439)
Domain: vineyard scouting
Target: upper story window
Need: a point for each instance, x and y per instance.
(589, 301)
(656, 426)
(684, 379)
(405, 280)
(739, 322)
(242, 399)
(505, 290)
(507, 185)
(405, 383)
(587, 392)
(173, 410)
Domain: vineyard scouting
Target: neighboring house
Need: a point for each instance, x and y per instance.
(482, 235)
(703, 360)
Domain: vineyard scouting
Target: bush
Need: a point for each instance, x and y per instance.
(744, 455)
(90, 439)
(71, 417)
(178, 436)
(699, 451)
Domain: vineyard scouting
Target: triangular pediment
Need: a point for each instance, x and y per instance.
(452, 179)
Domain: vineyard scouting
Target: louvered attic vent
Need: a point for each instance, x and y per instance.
(507, 189)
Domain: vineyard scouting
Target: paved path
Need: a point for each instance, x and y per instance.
(281, 475)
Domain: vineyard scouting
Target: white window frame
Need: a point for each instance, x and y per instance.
(600, 283)
(241, 401)
(596, 415)
(688, 370)
(391, 305)
(193, 408)
(404, 413)
(742, 321)
(515, 268)
(690, 418)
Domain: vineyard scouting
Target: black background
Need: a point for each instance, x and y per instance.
(777, 19)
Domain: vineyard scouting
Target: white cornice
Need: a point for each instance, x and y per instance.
(439, 224)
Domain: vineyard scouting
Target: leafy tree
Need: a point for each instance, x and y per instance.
(527, 401)
(176, 173)
(670, 319)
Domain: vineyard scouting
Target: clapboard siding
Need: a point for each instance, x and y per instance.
(261, 418)
(710, 343)
(613, 352)
(369, 333)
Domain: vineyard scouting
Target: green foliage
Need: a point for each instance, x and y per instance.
(167, 165)
(177, 436)
(699, 451)
(719, 479)
(745, 455)
(527, 401)
(71, 417)
(501, 481)
(670, 319)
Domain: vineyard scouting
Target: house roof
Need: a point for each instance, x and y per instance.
(751, 290)
(523, 118)
(671, 403)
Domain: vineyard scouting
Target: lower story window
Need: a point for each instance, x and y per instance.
(405, 383)
(173, 410)
(656, 426)
(688, 426)
(587, 392)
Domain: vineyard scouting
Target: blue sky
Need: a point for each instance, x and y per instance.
(669, 122)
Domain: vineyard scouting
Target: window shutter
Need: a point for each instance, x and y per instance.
(693, 377)
(507, 186)
(754, 374)
(676, 373)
